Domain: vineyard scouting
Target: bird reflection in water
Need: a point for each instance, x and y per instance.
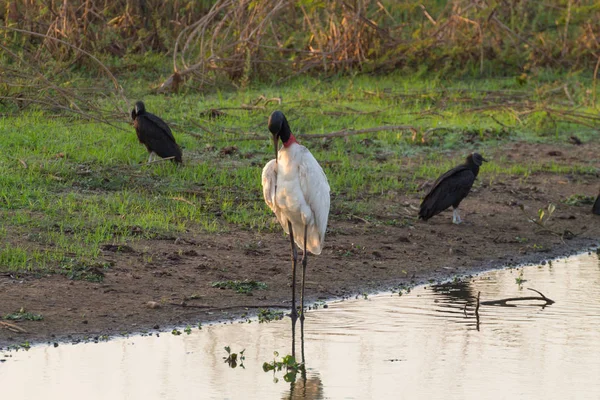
(457, 299)
(455, 294)
(304, 387)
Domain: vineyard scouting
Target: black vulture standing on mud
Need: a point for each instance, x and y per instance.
(154, 133)
(596, 207)
(451, 188)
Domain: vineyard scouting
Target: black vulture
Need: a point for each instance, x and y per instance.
(596, 207)
(154, 133)
(451, 188)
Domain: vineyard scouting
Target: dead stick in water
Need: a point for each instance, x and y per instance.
(503, 302)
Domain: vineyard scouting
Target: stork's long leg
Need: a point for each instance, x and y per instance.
(304, 260)
(303, 371)
(302, 338)
(294, 313)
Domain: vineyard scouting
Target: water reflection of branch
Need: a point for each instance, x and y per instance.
(504, 302)
(477, 309)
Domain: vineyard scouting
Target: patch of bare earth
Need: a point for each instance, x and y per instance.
(159, 283)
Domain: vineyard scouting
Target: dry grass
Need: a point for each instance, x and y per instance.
(238, 41)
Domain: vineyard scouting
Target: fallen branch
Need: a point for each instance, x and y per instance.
(12, 327)
(348, 132)
(504, 302)
(210, 308)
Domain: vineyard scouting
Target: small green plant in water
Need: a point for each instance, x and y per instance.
(23, 315)
(545, 213)
(519, 279)
(188, 329)
(289, 363)
(232, 358)
(268, 315)
(318, 304)
(175, 332)
(246, 286)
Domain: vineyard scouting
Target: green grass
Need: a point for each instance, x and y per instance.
(23, 315)
(68, 186)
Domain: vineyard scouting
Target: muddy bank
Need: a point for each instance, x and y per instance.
(154, 284)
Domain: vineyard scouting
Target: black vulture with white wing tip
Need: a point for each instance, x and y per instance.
(155, 134)
(596, 207)
(451, 188)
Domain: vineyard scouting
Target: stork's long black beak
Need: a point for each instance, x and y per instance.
(483, 159)
(276, 145)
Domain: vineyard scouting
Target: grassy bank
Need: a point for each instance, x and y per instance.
(69, 186)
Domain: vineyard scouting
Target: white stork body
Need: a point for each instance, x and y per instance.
(296, 189)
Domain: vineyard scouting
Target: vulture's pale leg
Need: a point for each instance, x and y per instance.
(304, 260)
(456, 216)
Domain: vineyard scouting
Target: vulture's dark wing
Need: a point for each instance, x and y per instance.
(156, 135)
(596, 207)
(160, 124)
(450, 189)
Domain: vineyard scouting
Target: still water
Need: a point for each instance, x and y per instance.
(424, 344)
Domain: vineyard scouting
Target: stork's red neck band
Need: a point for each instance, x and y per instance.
(289, 142)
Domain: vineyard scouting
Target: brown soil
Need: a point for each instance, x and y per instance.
(359, 256)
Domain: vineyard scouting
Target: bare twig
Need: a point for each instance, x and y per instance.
(348, 132)
(595, 82)
(12, 327)
(504, 302)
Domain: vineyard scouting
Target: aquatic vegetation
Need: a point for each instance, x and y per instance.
(287, 363)
(268, 315)
(232, 358)
(519, 279)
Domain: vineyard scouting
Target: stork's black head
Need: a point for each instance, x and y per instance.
(476, 159)
(279, 128)
(138, 109)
